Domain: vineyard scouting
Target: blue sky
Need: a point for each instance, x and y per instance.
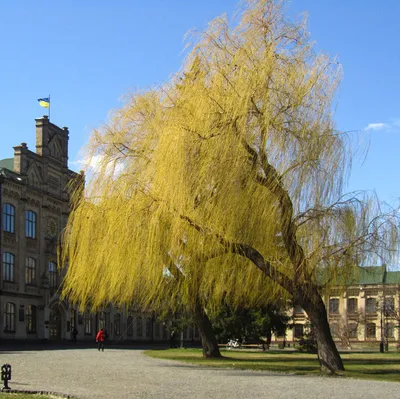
(88, 54)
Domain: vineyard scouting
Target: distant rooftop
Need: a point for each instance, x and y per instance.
(7, 163)
(367, 275)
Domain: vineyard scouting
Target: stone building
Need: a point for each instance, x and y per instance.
(35, 206)
(365, 311)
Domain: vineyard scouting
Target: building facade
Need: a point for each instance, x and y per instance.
(364, 312)
(34, 201)
(35, 208)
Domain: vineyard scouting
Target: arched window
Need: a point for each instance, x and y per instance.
(8, 266)
(117, 324)
(9, 218)
(30, 224)
(139, 327)
(129, 330)
(9, 317)
(30, 319)
(30, 271)
(52, 274)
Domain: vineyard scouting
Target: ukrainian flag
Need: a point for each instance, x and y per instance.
(44, 102)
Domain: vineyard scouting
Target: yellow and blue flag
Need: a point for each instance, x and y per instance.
(44, 102)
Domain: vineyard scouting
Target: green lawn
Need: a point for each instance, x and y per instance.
(367, 365)
(25, 396)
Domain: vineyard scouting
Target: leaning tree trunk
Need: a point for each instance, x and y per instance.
(208, 340)
(328, 354)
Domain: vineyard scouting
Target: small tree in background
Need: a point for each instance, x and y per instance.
(249, 325)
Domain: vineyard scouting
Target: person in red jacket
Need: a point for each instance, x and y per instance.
(100, 337)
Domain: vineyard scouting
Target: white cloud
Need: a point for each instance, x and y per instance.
(377, 126)
(94, 163)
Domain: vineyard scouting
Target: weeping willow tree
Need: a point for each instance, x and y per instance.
(225, 185)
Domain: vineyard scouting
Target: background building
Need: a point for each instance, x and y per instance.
(365, 311)
(34, 200)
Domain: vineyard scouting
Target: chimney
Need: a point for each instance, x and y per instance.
(19, 158)
(42, 136)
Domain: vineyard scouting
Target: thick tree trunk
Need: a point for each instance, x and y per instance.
(208, 340)
(328, 354)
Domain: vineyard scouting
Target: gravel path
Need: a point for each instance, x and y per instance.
(128, 373)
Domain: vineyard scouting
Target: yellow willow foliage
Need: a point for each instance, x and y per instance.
(238, 148)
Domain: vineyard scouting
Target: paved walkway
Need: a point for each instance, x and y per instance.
(127, 373)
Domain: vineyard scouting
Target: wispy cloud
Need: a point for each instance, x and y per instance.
(93, 165)
(393, 125)
(377, 126)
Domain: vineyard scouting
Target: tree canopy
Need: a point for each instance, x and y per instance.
(226, 183)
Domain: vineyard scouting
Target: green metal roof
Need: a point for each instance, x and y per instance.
(371, 275)
(7, 163)
(393, 278)
(367, 275)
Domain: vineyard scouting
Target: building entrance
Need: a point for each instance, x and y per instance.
(55, 324)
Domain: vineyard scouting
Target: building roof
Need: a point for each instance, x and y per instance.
(393, 278)
(374, 275)
(367, 275)
(371, 275)
(7, 163)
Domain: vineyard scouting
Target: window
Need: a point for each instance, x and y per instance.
(389, 330)
(30, 271)
(371, 330)
(30, 224)
(139, 327)
(334, 305)
(102, 320)
(73, 318)
(52, 275)
(334, 330)
(117, 324)
(9, 317)
(8, 266)
(352, 305)
(129, 330)
(370, 305)
(9, 218)
(164, 332)
(30, 319)
(353, 333)
(157, 328)
(87, 322)
(298, 330)
(388, 306)
(148, 327)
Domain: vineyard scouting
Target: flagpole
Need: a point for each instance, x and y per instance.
(49, 107)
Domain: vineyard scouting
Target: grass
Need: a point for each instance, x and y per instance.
(367, 365)
(25, 396)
